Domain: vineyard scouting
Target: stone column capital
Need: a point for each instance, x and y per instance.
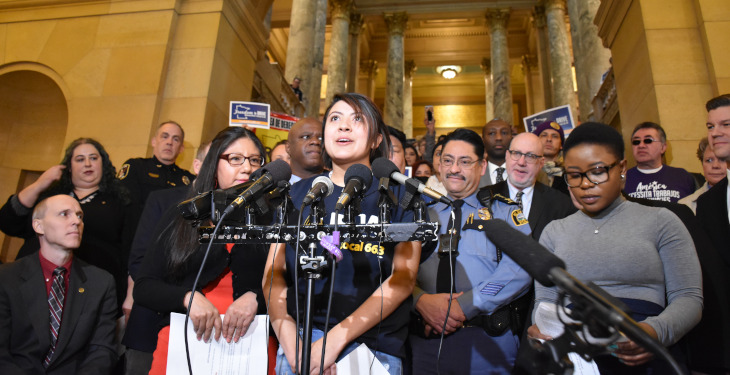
(486, 66)
(396, 22)
(410, 68)
(529, 62)
(356, 23)
(497, 18)
(340, 8)
(554, 4)
(538, 17)
(369, 67)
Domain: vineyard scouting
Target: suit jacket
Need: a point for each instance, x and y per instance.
(548, 204)
(86, 338)
(712, 216)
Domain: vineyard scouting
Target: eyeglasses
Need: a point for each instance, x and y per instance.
(647, 141)
(530, 157)
(596, 176)
(236, 160)
(462, 163)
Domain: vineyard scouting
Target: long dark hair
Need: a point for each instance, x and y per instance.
(373, 117)
(180, 236)
(108, 183)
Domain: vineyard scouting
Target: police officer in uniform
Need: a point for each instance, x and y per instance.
(489, 289)
(141, 176)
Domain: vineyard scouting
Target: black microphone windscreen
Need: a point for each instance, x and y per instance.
(360, 172)
(382, 167)
(525, 251)
(279, 170)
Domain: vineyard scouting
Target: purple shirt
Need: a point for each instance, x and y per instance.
(669, 184)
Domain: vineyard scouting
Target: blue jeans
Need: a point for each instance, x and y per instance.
(391, 363)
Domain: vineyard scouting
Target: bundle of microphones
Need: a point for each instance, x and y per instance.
(592, 305)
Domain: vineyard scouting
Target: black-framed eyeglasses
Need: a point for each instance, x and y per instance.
(530, 157)
(236, 160)
(462, 163)
(596, 176)
(647, 141)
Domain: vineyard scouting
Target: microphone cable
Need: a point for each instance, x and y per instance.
(451, 291)
(271, 283)
(329, 298)
(195, 285)
(296, 290)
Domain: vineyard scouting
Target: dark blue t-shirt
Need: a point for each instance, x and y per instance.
(358, 275)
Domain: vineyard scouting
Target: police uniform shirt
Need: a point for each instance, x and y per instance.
(141, 176)
(487, 284)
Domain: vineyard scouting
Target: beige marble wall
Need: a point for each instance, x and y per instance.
(539, 22)
(488, 89)
(409, 69)
(313, 90)
(353, 70)
(123, 67)
(714, 22)
(660, 69)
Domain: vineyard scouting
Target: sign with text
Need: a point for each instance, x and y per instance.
(250, 114)
(562, 115)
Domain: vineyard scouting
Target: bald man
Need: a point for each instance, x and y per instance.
(541, 204)
(305, 149)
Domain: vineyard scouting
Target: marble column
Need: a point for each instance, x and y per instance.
(313, 89)
(560, 57)
(353, 70)
(543, 54)
(528, 65)
(497, 23)
(299, 56)
(370, 69)
(409, 68)
(488, 88)
(339, 40)
(396, 23)
(592, 59)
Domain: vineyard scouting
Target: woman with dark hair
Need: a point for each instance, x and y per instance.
(422, 170)
(87, 174)
(231, 280)
(642, 255)
(374, 281)
(411, 155)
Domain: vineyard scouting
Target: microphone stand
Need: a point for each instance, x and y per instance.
(312, 266)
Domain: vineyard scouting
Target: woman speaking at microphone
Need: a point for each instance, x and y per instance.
(231, 280)
(372, 281)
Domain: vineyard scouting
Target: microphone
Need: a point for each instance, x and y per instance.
(382, 167)
(549, 270)
(271, 175)
(322, 187)
(357, 178)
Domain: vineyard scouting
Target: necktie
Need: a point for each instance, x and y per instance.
(55, 308)
(518, 199)
(500, 177)
(448, 263)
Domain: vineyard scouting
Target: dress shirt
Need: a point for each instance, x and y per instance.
(492, 169)
(526, 197)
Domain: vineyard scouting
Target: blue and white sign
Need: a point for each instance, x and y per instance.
(562, 115)
(250, 114)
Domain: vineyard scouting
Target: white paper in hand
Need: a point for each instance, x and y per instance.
(247, 356)
(360, 361)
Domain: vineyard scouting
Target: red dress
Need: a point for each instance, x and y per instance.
(220, 293)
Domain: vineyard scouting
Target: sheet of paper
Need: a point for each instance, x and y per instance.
(548, 322)
(247, 356)
(359, 362)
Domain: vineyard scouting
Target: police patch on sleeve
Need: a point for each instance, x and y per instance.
(518, 218)
(123, 172)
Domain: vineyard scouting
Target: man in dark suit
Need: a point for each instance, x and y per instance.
(496, 135)
(712, 213)
(57, 314)
(541, 203)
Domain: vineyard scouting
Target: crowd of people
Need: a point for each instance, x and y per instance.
(107, 256)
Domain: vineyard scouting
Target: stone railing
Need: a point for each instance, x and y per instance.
(270, 86)
(605, 105)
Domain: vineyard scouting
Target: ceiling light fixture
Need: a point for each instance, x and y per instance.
(448, 71)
